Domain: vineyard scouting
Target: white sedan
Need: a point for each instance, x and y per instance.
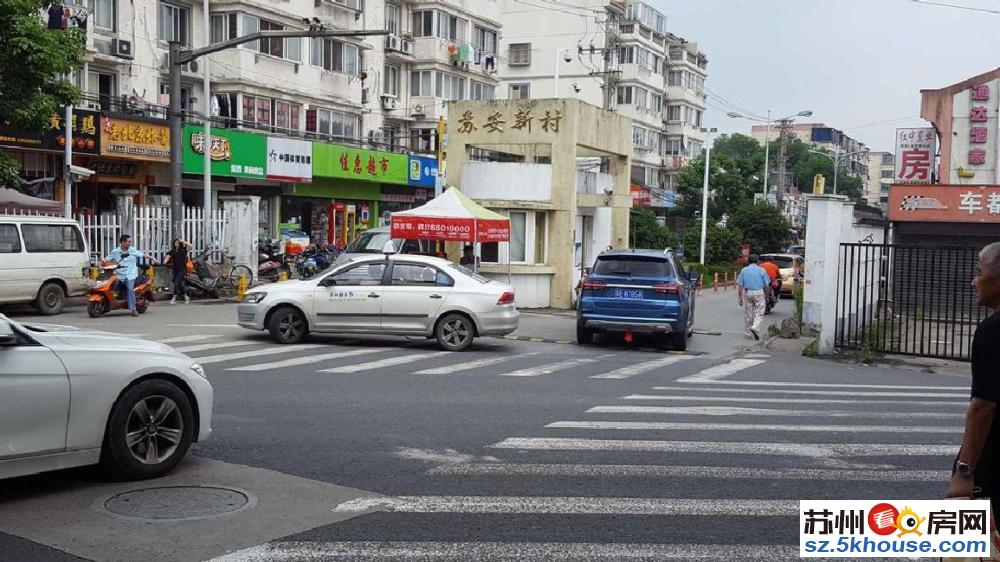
(400, 294)
(71, 397)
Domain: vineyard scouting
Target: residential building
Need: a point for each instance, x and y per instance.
(617, 55)
(822, 137)
(881, 168)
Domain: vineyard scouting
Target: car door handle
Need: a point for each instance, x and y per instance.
(373, 295)
(436, 296)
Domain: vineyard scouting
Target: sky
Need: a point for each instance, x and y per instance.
(859, 65)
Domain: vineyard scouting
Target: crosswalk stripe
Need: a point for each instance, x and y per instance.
(192, 337)
(831, 385)
(389, 362)
(217, 345)
(304, 360)
(685, 426)
(313, 551)
(548, 369)
(731, 411)
(472, 365)
(638, 369)
(819, 392)
(208, 360)
(819, 450)
(721, 371)
(571, 505)
(769, 400)
(661, 471)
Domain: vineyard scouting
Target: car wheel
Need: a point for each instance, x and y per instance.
(149, 431)
(584, 336)
(454, 332)
(96, 309)
(288, 325)
(680, 341)
(51, 299)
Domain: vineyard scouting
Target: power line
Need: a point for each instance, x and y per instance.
(957, 6)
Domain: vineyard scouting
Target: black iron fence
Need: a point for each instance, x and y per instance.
(907, 300)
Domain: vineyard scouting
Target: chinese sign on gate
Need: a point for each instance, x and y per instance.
(544, 120)
(915, 149)
(944, 203)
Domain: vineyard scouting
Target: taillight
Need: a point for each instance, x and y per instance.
(668, 288)
(506, 298)
(588, 284)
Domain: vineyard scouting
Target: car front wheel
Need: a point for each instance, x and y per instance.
(287, 326)
(454, 332)
(149, 431)
(51, 299)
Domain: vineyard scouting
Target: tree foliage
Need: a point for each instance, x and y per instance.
(722, 244)
(646, 232)
(762, 225)
(34, 62)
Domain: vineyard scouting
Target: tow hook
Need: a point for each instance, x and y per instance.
(628, 337)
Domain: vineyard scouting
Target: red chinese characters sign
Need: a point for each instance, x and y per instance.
(451, 229)
(915, 149)
(979, 133)
(641, 196)
(944, 203)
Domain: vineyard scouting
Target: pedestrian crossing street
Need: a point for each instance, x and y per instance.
(709, 467)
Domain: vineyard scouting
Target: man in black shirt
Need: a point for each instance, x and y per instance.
(978, 462)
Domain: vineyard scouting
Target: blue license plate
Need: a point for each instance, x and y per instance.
(628, 293)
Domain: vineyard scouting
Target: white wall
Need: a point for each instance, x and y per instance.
(594, 182)
(508, 181)
(530, 291)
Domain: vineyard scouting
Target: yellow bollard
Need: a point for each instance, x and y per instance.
(95, 273)
(283, 275)
(241, 286)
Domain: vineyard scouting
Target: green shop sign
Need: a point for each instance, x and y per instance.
(335, 161)
(234, 153)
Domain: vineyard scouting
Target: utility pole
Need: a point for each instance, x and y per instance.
(68, 166)
(178, 57)
(784, 128)
(607, 75)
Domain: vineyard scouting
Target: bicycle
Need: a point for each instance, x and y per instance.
(229, 274)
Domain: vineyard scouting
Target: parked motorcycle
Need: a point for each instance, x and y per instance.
(109, 293)
(270, 261)
(201, 282)
(772, 294)
(315, 259)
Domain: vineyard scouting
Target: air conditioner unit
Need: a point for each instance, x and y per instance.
(121, 48)
(406, 46)
(418, 111)
(388, 102)
(392, 42)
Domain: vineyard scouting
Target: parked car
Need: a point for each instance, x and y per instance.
(797, 251)
(391, 294)
(72, 397)
(373, 240)
(789, 265)
(43, 260)
(637, 291)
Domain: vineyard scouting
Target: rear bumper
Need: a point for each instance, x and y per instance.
(625, 326)
(499, 323)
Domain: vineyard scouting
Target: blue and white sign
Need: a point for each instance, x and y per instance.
(669, 198)
(423, 171)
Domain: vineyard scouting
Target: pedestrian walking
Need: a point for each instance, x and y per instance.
(976, 471)
(750, 287)
(128, 258)
(177, 258)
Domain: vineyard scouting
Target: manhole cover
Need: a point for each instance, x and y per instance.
(176, 502)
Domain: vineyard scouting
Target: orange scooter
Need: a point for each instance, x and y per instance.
(108, 294)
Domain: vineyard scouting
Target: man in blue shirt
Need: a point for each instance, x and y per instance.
(750, 286)
(128, 258)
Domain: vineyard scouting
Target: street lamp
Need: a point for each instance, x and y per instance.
(767, 134)
(555, 81)
(704, 193)
(836, 162)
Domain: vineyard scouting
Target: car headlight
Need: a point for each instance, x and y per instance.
(198, 370)
(253, 298)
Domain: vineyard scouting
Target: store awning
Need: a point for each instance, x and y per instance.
(451, 216)
(13, 200)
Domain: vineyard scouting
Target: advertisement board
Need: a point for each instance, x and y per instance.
(348, 162)
(137, 140)
(86, 129)
(234, 153)
(423, 171)
(915, 150)
(944, 203)
(289, 160)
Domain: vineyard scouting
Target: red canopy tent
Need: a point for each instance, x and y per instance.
(451, 216)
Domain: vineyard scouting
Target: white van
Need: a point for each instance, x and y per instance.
(43, 260)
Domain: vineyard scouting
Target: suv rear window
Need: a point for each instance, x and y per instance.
(633, 266)
(782, 262)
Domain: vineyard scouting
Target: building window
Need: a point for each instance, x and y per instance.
(288, 48)
(624, 95)
(675, 78)
(224, 106)
(393, 16)
(223, 27)
(391, 85)
(673, 113)
(257, 112)
(330, 54)
(102, 13)
(352, 4)
(335, 124)
(888, 160)
(626, 55)
(420, 83)
(528, 237)
(484, 40)
(105, 86)
(889, 174)
(251, 24)
(185, 94)
(390, 137)
(422, 140)
(286, 116)
(449, 86)
(481, 91)
(423, 23)
(174, 23)
(673, 147)
(520, 91)
(520, 54)
(451, 27)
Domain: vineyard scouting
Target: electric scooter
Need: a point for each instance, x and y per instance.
(109, 293)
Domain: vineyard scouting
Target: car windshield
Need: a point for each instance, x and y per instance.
(780, 261)
(470, 273)
(633, 266)
(370, 243)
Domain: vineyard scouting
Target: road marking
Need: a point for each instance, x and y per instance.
(547, 369)
(638, 369)
(208, 360)
(685, 426)
(389, 362)
(731, 411)
(833, 385)
(821, 392)
(571, 505)
(820, 450)
(311, 551)
(192, 337)
(721, 371)
(472, 365)
(304, 360)
(659, 471)
(205, 325)
(217, 345)
(769, 400)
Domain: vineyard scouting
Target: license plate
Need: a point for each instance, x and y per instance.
(628, 293)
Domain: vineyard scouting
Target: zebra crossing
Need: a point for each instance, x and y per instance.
(668, 479)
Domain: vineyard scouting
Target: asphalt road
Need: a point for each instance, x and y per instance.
(512, 451)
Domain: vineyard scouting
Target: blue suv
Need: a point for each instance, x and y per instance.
(637, 291)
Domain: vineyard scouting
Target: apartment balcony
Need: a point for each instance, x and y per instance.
(644, 76)
(687, 95)
(287, 78)
(427, 108)
(400, 48)
(646, 117)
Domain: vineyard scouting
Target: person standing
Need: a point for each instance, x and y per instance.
(750, 286)
(128, 258)
(978, 462)
(177, 257)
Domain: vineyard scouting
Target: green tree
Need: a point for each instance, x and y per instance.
(728, 184)
(34, 62)
(763, 227)
(646, 232)
(722, 244)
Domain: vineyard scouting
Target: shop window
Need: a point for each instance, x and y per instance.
(10, 242)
